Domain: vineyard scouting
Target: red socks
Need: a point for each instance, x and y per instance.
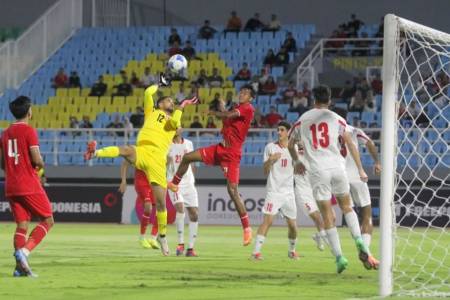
(176, 179)
(144, 223)
(155, 228)
(20, 238)
(245, 221)
(36, 236)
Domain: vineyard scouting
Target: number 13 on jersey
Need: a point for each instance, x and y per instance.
(324, 139)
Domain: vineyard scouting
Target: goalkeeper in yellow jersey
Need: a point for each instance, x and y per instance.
(152, 147)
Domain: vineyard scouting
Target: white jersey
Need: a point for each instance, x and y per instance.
(320, 131)
(358, 138)
(281, 176)
(176, 153)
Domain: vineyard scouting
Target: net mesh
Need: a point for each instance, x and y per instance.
(422, 187)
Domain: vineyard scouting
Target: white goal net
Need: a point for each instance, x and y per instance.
(415, 205)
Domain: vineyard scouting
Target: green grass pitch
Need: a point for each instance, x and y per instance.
(104, 261)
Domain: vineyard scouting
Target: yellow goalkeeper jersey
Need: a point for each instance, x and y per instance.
(159, 128)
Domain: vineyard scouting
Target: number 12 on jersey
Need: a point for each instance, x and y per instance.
(324, 139)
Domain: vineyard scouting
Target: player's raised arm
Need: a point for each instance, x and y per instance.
(355, 155)
(149, 103)
(123, 176)
(269, 159)
(294, 139)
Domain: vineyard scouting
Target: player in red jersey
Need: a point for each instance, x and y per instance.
(21, 160)
(145, 197)
(227, 154)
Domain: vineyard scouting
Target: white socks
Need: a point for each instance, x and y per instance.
(323, 236)
(193, 229)
(367, 238)
(292, 245)
(180, 227)
(353, 224)
(258, 243)
(333, 239)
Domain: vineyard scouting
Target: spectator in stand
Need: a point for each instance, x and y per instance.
(215, 80)
(86, 123)
(260, 79)
(116, 124)
(371, 105)
(347, 92)
(206, 31)
(306, 91)
(196, 123)
(229, 102)
(362, 124)
(375, 135)
(299, 103)
(254, 24)
(258, 121)
(234, 23)
(124, 89)
(357, 103)
(356, 122)
(147, 78)
(202, 79)
(99, 88)
(269, 87)
(210, 123)
(364, 88)
(282, 58)
(413, 110)
(270, 58)
(189, 51)
(274, 24)
(289, 93)
(174, 37)
(175, 49)
(273, 117)
(216, 103)
(137, 119)
(244, 73)
(377, 85)
(74, 80)
(181, 95)
(354, 25)
(135, 82)
(290, 44)
(73, 123)
(60, 80)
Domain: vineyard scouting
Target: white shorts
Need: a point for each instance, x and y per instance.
(186, 194)
(280, 203)
(329, 182)
(304, 195)
(359, 192)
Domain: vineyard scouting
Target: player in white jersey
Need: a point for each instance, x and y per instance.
(280, 196)
(186, 197)
(322, 133)
(305, 199)
(359, 190)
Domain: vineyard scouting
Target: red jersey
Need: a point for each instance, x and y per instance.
(235, 130)
(21, 177)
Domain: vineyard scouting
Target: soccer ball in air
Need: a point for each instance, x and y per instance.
(177, 63)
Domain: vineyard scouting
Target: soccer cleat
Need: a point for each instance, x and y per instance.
(180, 250)
(163, 80)
(319, 242)
(341, 264)
(368, 260)
(293, 255)
(18, 272)
(164, 246)
(22, 262)
(256, 256)
(90, 151)
(191, 253)
(173, 187)
(153, 243)
(145, 243)
(191, 101)
(247, 236)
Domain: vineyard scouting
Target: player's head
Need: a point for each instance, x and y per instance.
(166, 104)
(21, 107)
(322, 95)
(246, 94)
(283, 129)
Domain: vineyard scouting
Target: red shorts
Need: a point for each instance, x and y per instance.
(25, 207)
(229, 161)
(142, 187)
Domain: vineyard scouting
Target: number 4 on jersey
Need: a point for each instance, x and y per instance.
(13, 151)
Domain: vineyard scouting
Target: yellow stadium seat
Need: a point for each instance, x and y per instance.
(73, 92)
(216, 90)
(203, 93)
(85, 92)
(118, 100)
(202, 108)
(61, 92)
(138, 92)
(189, 110)
(213, 56)
(92, 100)
(202, 56)
(131, 101)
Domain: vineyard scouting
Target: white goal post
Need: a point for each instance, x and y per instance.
(415, 160)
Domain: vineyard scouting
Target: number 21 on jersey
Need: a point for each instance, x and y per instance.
(13, 151)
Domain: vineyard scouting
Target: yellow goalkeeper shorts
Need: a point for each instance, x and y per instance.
(152, 162)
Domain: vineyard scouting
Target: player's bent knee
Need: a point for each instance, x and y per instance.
(50, 221)
(23, 224)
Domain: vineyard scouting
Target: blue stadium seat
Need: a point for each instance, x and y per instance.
(283, 109)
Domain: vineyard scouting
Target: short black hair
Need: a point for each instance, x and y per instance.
(249, 87)
(284, 124)
(322, 94)
(20, 107)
